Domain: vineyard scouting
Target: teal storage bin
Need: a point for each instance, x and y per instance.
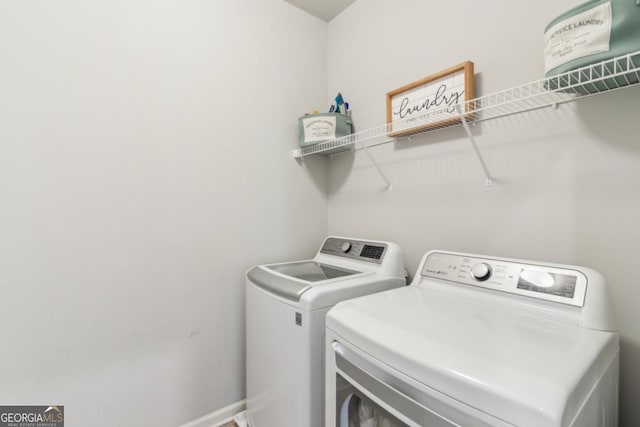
(317, 128)
(592, 32)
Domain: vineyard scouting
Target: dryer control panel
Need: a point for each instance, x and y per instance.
(551, 283)
(355, 249)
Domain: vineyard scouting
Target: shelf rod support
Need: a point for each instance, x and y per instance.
(364, 148)
(488, 180)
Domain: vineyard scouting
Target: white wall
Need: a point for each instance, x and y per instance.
(567, 182)
(144, 166)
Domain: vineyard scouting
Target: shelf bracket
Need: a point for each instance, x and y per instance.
(373, 161)
(488, 181)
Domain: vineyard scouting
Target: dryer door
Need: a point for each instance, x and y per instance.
(355, 409)
(367, 390)
(361, 400)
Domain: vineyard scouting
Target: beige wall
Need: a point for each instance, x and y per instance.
(144, 166)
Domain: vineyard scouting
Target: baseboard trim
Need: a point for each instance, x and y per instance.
(218, 417)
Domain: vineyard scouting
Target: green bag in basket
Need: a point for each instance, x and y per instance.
(317, 128)
(592, 32)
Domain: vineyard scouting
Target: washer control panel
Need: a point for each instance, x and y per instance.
(355, 249)
(544, 282)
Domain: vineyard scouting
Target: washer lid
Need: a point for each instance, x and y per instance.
(291, 280)
(311, 271)
(525, 370)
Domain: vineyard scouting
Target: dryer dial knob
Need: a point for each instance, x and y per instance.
(346, 247)
(481, 271)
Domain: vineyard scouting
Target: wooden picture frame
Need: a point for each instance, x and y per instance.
(430, 102)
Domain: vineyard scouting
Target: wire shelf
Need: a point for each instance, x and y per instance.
(606, 76)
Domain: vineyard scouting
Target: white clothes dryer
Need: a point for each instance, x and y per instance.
(286, 306)
(476, 341)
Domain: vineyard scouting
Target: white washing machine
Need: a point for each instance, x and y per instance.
(476, 341)
(286, 306)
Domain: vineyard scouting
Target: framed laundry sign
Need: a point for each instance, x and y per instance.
(430, 102)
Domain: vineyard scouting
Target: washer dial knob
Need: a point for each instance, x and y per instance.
(481, 271)
(346, 247)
